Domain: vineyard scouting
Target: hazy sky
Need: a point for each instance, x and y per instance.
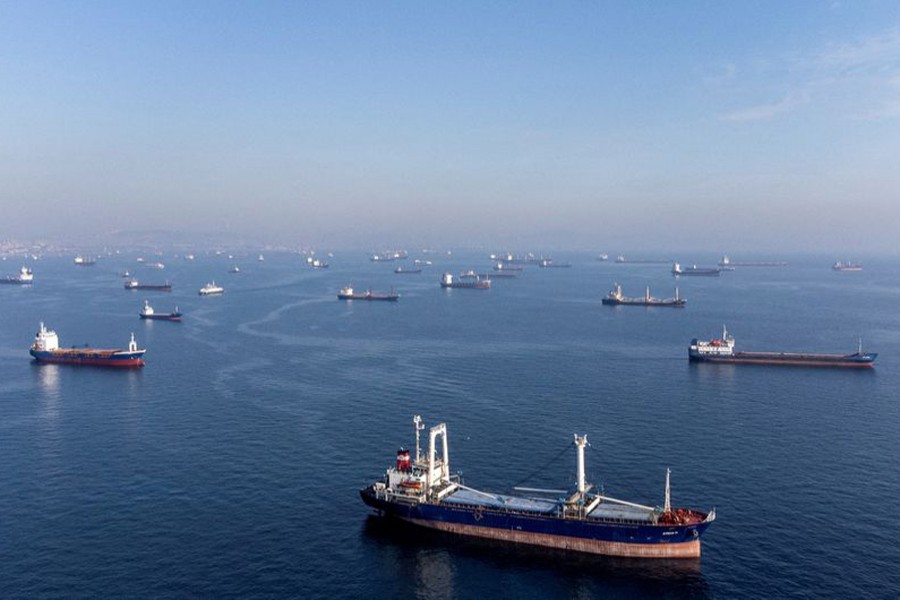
(725, 126)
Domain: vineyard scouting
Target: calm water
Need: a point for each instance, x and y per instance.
(230, 464)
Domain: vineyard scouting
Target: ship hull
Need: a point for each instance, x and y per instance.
(372, 297)
(465, 286)
(96, 358)
(163, 317)
(150, 288)
(850, 361)
(673, 303)
(581, 535)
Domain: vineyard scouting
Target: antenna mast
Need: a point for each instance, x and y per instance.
(417, 422)
(667, 507)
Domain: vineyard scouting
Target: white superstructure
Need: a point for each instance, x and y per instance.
(717, 347)
(211, 288)
(45, 339)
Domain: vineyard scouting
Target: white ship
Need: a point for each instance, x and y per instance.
(211, 289)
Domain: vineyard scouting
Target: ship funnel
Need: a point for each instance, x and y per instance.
(403, 459)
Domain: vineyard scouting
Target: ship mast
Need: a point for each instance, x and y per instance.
(417, 422)
(667, 506)
(580, 443)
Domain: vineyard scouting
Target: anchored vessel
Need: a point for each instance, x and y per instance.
(24, 277)
(473, 281)
(727, 263)
(550, 263)
(722, 351)
(424, 492)
(46, 349)
(148, 313)
(402, 271)
(348, 293)
(615, 298)
(846, 266)
(83, 261)
(677, 269)
(211, 289)
(133, 284)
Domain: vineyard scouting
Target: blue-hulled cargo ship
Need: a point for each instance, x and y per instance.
(721, 350)
(46, 349)
(423, 491)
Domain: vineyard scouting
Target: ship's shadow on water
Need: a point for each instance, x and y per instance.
(530, 570)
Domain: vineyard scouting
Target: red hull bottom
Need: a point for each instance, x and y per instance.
(130, 363)
(681, 550)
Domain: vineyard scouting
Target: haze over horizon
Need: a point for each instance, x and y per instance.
(764, 127)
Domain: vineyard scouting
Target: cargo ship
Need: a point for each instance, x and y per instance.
(846, 266)
(620, 259)
(83, 261)
(133, 284)
(45, 349)
(678, 270)
(148, 313)
(424, 492)
(502, 266)
(211, 289)
(25, 277)
(348, 293)
(549, 263)
(727, 263)
(616, 298)
(722, 351)
(472, 283)
(402, 271)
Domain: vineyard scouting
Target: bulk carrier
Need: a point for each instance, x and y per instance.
(616, 298)
(722, 351)
(424, 492)
(46, 349)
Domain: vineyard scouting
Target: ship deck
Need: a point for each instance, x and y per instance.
(501, 501)
(606, 511)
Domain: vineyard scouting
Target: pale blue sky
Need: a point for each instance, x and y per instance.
(717, 126)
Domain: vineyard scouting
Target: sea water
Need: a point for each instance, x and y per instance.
(230, 464)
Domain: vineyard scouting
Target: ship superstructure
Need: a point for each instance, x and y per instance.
(423, 491)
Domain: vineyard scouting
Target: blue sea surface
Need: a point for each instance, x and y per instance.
(229, 466)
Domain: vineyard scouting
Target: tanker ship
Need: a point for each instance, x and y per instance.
(348, 293)
(134, 284)
(46, 349)
(677, 270)
(722, 351)
(616, 298)
(424, 492)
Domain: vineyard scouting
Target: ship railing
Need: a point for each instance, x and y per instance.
(559, 513)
